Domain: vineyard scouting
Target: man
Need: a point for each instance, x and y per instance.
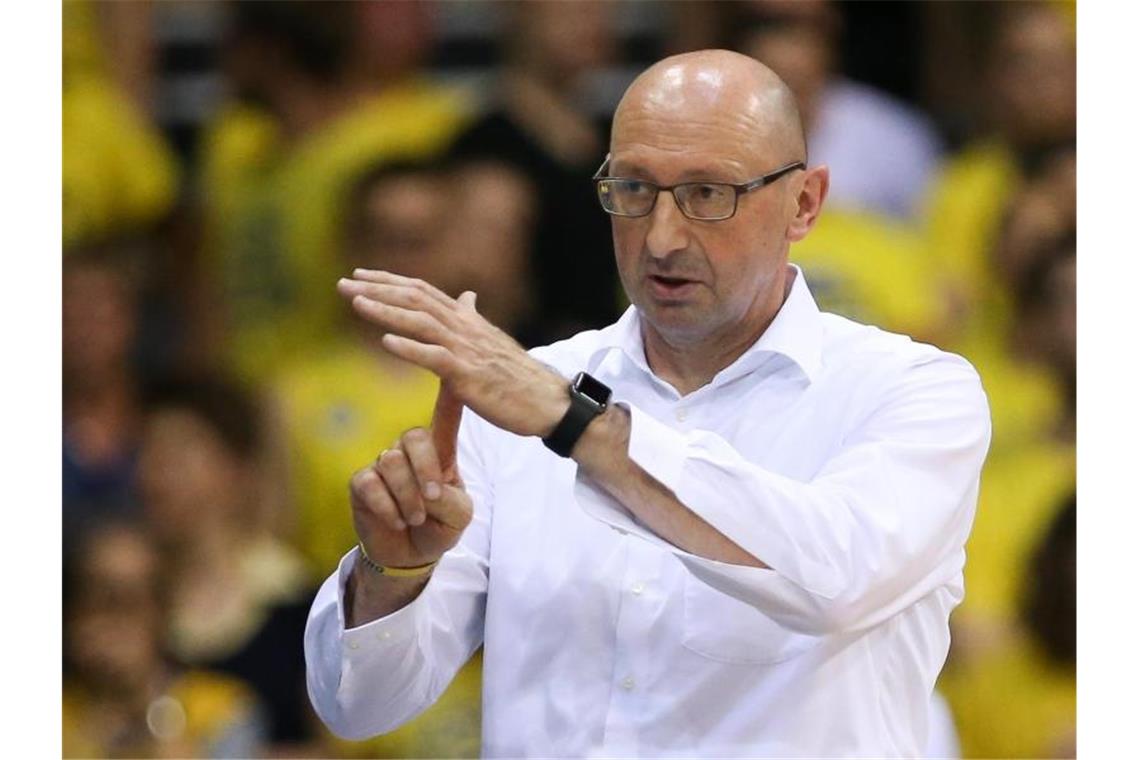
(752, 550)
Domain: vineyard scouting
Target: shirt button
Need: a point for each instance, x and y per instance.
(628, 683)
(681, 415)
(637, 589)
(384, 635)
(353, 645)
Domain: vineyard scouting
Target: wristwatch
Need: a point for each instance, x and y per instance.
(588, 399)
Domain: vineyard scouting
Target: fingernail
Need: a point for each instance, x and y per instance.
(400, 524)
(431, 490)
(417, 519)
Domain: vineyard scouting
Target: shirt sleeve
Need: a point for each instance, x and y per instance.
(881, 525)
(373, 678)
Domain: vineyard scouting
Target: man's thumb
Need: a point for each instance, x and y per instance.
(467, 299)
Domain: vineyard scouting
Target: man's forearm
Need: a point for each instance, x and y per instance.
(602, 454)
(369, 596)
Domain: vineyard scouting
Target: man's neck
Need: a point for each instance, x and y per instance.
(689, 363)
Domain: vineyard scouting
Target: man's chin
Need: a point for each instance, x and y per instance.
(676, 321)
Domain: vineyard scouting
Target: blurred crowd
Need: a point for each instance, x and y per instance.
(224, 163)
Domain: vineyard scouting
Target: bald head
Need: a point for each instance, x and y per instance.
(718, 88)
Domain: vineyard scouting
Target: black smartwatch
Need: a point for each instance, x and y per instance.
(588, 399)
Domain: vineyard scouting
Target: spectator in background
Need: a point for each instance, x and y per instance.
(237, 596)
(881, 152)
(1031, 381)
(539, 125)
(316, 101)
(1017, 698)
(101, 406)
(1030, 378)
(122, 697)
(1036, 258)
(119, 175)
(465, 227)
(324, 408)
(1029, 93)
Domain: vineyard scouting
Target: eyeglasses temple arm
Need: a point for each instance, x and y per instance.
(598, 173)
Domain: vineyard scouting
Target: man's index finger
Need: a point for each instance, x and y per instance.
(445, 425)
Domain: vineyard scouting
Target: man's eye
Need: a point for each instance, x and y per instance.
(637, 188)
(708, 192)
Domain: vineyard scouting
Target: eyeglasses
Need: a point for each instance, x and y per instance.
(700, 201)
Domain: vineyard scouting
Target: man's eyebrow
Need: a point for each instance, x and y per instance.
(706, 173)
(627, 170)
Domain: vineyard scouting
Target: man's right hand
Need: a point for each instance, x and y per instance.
(410, 506)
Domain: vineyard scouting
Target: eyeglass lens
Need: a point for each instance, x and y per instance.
(698, 200)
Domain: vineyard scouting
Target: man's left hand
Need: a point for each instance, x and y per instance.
(483, 366)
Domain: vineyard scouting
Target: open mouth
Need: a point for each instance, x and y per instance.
(670, 286)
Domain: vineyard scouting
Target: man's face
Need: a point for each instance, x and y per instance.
(1034, 78)
(186, 473)
(114, 624)
(98, 319)
(695, 280)
(402, 229)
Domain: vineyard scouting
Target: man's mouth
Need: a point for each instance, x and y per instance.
(670, 287)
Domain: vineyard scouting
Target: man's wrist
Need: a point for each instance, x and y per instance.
(368, 595)
(556, 405)
(395, 572)
(588, 399)
(604, 446)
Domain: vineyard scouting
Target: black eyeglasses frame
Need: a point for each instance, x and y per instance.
(740, 189)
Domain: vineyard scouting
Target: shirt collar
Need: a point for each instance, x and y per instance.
(795, 333)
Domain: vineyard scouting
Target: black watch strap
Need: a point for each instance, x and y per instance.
(588, 399)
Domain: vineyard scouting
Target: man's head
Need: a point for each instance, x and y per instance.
(462, 226)
(99, 320)
(713, 116)
(1032, 73)
(113, 607)
(271, 44)
(397, 214)
(559, 41)
(197, 469)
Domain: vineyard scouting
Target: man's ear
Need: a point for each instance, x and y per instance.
(810, 202)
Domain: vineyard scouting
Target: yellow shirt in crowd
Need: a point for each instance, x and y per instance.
(1013, 702)
(964, 217)
(872, 270)
(118, 172)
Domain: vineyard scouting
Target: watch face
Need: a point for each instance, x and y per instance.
(592, 389)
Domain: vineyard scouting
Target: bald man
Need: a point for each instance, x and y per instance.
(726, 525)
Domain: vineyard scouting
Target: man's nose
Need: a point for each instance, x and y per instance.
(668, 227)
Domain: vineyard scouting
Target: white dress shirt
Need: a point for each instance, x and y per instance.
(844, 457)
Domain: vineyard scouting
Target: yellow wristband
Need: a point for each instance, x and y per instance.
(395, 572)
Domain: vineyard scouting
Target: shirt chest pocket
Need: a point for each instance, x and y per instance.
(726, 629)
